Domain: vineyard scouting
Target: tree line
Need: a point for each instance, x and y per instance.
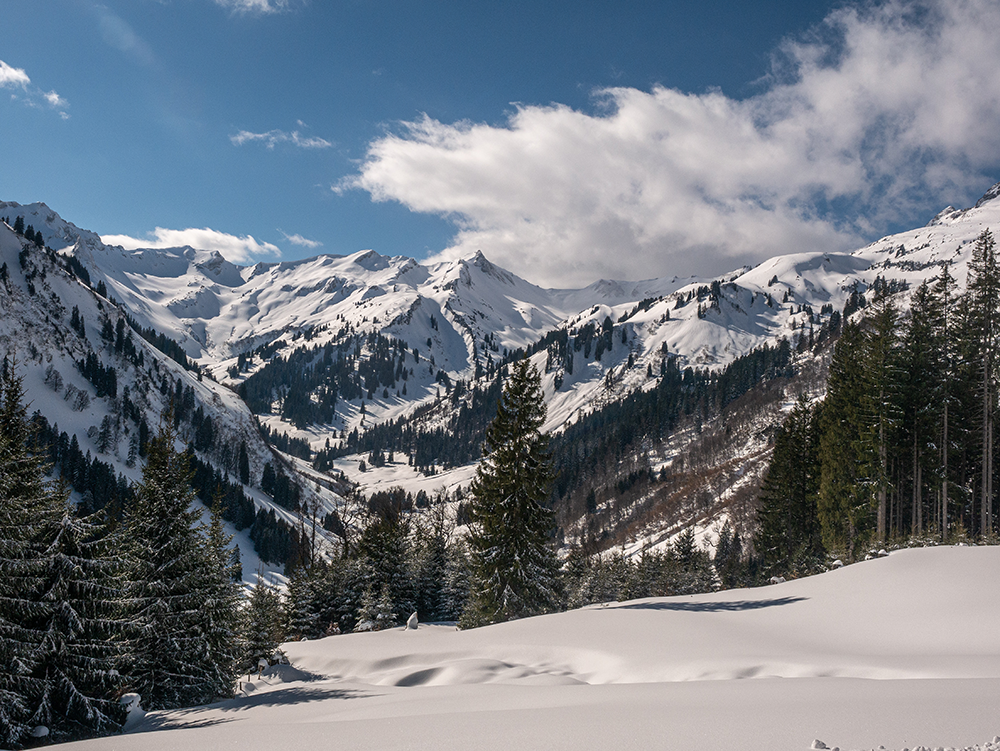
(902, 446)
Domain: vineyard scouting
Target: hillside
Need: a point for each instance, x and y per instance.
(893, 652)
(394, 364)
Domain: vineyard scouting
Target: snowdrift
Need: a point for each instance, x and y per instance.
(900, 651)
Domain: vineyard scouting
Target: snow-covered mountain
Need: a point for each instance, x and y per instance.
(92, 377)
(406, 335)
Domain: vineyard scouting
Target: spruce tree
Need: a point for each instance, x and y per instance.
(59, 629)
(983, 291)
(223, 599)
(880, 413)
(844, 504)
(262, 626)
(172, 589)
(515, 571)
(944, 334)
(25, 509)
(78, 627)
(788, 538)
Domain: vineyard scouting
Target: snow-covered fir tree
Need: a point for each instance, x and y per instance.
(60, 628)
(78, 627)
(24, 508)
(262, 626)
(223, 598)
(173, 589)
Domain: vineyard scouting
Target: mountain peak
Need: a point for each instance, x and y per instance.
(988, 195)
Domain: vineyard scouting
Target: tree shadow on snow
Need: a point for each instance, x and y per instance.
(710, 607)
(291, 695)
(192, 717)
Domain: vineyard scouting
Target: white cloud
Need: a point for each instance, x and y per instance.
(238, 249)
(259, 7)
(881, 114)
(273, 137)
(11, 77)
(55, 100)
(297, 239)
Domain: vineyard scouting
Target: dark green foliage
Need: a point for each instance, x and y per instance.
(58, 597)
(162, 342)
(104, 379)
(515, 572)
(174, 582)
(788, 539)
(844, 506)
(262, 629)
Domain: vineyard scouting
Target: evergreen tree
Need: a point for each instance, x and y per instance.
(25, 510)
(788, 537)
(171, 650)
(384, 553)
(843, 504)
(983, 292)
(262, 625)
(943, 291)
(515, 572)
(58, 597)
(79, 630)
(223, 597)
(727, 558)
(923, 397)
(879, 403)
(244, 464)
(429, 568)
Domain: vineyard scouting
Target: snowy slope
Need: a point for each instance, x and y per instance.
(450, 311)
(35, 329)
(892, 652)
(462, 314)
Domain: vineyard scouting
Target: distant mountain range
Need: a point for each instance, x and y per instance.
(325, 348)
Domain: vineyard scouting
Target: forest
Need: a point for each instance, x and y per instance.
(901, 449)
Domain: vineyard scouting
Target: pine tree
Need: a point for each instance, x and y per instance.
(515, 572)
(223, 598)
(983, 292)
(843, 504)
(171, 593)
(943, 291)
(244, 463)
(879, 403)
(25, 509)
(262, 625)
(788, 538)
(59, 632)
(79, 629)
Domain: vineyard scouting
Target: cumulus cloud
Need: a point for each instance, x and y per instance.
(11, 77)
(273, 137)
(879, 115)
(238, 249)
(297, 239)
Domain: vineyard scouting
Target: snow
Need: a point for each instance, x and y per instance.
(894, 652)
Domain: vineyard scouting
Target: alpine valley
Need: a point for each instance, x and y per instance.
(303, 387)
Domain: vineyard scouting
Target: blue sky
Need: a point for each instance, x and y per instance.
(568, 141)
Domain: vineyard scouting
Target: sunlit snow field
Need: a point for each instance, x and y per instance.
(900, 651)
